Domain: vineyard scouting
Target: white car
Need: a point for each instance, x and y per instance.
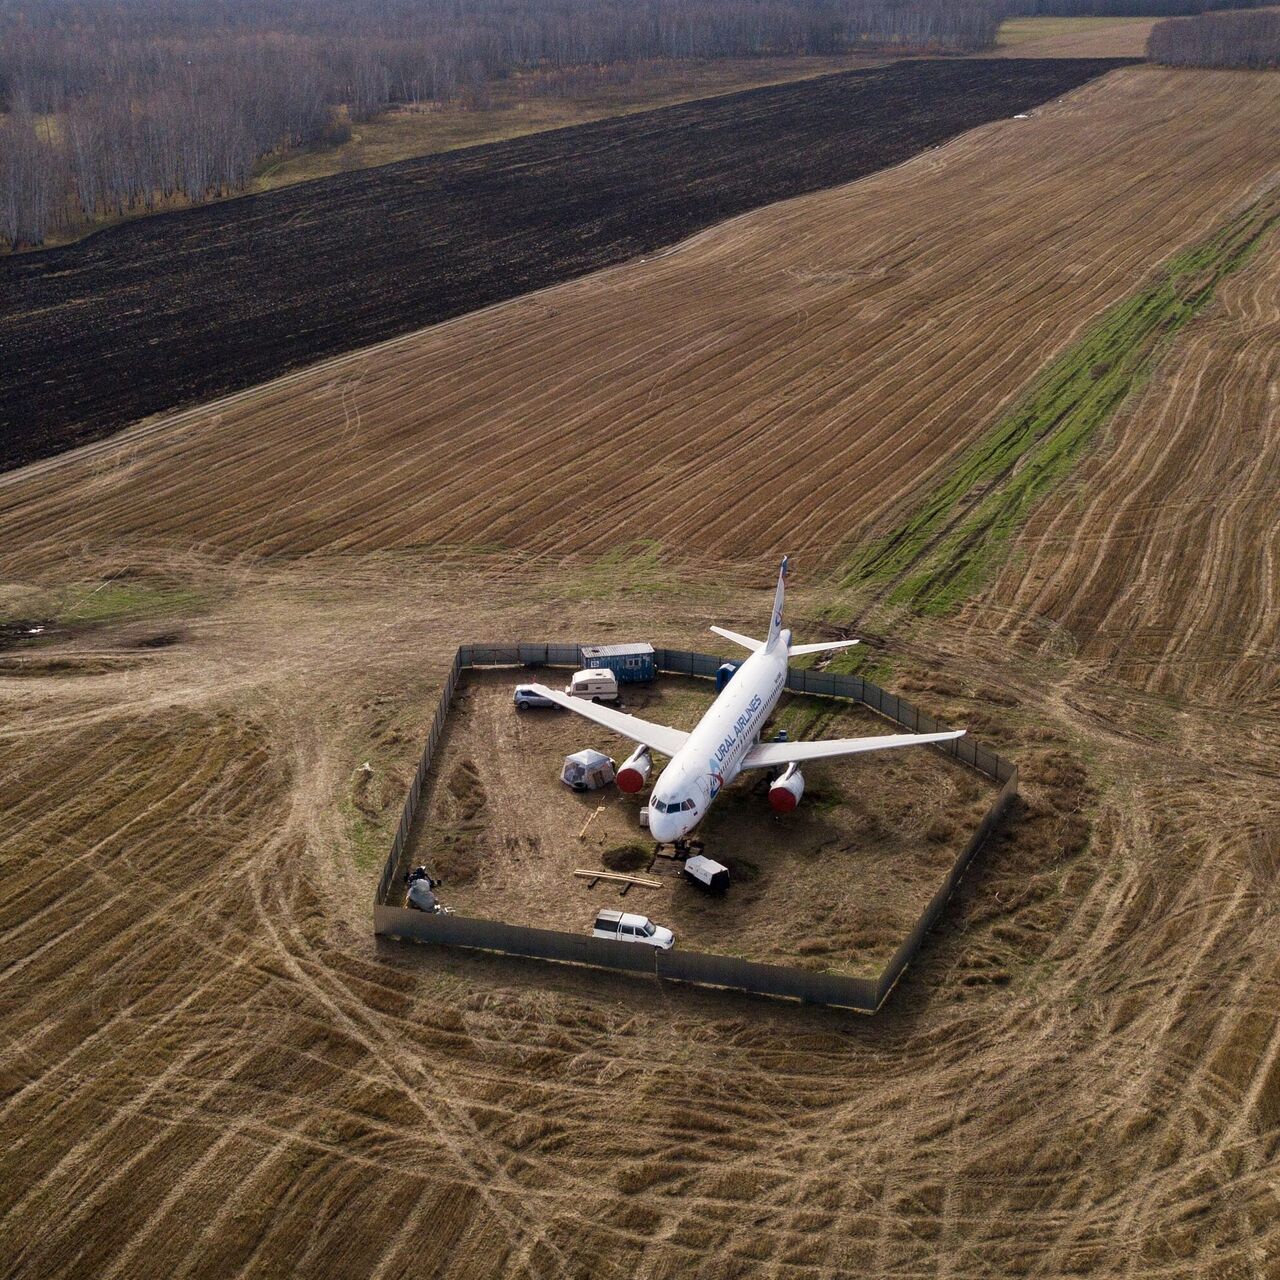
(525, 696)
(621, 926)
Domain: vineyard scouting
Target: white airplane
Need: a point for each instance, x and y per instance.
(727, 738)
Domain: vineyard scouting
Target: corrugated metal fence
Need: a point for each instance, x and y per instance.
(865, 994)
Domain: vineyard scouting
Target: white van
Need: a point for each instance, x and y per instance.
(621, 926)
(595, 684)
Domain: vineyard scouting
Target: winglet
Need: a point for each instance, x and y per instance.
(775, 623)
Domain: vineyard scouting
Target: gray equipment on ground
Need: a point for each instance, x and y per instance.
(707, 872)
(421, 895)
(587, 770)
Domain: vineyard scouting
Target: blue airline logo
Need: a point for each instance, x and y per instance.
(740, 726)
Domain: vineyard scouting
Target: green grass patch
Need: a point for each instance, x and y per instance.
(369, 840)
(635, 568)
(952, 544)
(122, 598)
(125, 599)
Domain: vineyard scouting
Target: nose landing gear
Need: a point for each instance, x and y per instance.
(678, 850)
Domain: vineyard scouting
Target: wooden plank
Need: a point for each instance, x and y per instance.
(643, 881)
(582, 835)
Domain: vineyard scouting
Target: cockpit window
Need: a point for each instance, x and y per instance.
(674, 806)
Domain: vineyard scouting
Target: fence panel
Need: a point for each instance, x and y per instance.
(401, 840)
(678, 661)
(768, 979)
(513, 940)
(494, 655)
(929, 916)
(705, 665)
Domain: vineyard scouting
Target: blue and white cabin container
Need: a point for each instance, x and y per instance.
(629, 662)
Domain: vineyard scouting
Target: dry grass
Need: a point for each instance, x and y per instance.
(1074, 37)
(210, 1069)
(1182, 496)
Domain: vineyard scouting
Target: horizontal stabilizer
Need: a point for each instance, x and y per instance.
(768, 755)
(658, 736)
(823, 646)
(745, 641)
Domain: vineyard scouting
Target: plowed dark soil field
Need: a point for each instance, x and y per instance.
(176, 309)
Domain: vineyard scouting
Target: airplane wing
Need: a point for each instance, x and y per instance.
(768, 755)
(738, 638)
(823, 646)
(658, 736)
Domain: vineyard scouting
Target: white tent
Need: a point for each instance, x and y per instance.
(587, 770)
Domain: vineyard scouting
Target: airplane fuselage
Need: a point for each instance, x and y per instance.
(712, 757)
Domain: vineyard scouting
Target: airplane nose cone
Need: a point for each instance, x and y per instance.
(661, 827)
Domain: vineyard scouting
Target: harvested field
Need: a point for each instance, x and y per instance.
(845, 369)
(208, 1066)
(1074, 37)
(1182, 495)
(175, 309)
(836, 886)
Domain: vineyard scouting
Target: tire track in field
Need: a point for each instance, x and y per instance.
(1211, 422)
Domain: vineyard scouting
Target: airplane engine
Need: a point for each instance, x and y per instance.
(635, 769)
(785, 790)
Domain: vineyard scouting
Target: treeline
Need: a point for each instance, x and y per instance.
(1126, 8)
(1250, 40)
(115, 106)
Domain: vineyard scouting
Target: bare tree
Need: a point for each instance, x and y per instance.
(1218, 40)
(108, 106)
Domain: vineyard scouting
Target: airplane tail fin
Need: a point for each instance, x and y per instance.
(775, 623)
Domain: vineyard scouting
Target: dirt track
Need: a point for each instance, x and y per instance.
(174, 310)
(208, 1068)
